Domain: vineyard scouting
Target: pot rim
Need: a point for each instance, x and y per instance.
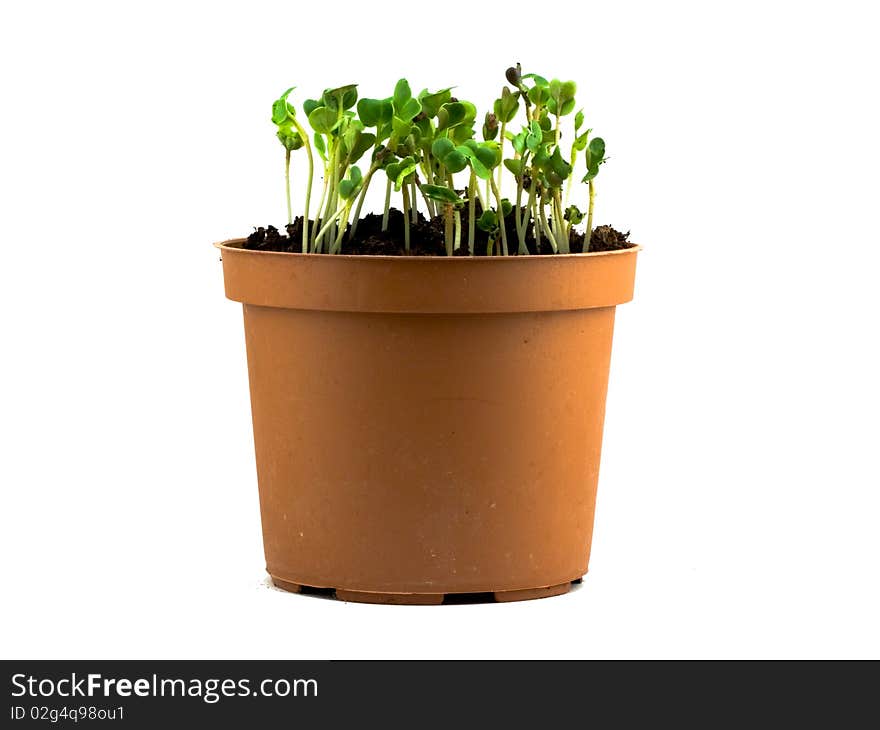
(235, 243)
(427, 284)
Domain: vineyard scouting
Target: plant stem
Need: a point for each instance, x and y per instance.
(357, 210)
(472, 212)
(560, 232)
(287, 185)
(457, 217)
(447, 228)
(456, 244)
(547, 231)
(589, 232)
(337, 244)
(500, 216)
(570, 177)
(405, 218)
(318, 217)
(424, 197)
(387, 205)
(501, 149)
(480, 197)
(518, 217)
(414, 199)
(528, 217)
(308, 146)
(330, 221)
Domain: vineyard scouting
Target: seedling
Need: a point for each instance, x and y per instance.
(423, 142)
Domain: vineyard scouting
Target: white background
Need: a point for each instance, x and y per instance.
(738, 503)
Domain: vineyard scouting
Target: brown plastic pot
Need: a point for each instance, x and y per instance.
(427, 426)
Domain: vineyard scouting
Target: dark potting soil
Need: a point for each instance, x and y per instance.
(427, 238)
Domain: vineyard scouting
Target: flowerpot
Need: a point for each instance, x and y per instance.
(427, 426)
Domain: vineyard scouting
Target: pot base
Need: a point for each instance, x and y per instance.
(426, 599)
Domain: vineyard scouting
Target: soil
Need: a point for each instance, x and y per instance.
(427, 238)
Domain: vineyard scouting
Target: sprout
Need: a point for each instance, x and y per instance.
(423, 142)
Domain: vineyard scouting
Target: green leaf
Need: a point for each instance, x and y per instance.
(364, 142)
(535, 136)
(515, 166)
(441, 194)
(410, 109)
(290, 138)
(455, 161)
(471, 150)
(539, 95)
(489, 153)
(442, 146)
(323, 119)
(461, 133)
(539, 80)
(342, 97)
(596, 150)
(556, 169)
(402, 94)
(279, 111)
(373, 112)
(431, 103)
(595, 157)
(405, 171)
(309, 105)
(578, 120)
(580, 142)
(506, 107)
(450, 115)
(519, 142)
(400, 127)
(573, 214)
(320, 146)
(488, 222)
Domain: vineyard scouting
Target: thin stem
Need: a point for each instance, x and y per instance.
(326, 227)
(387, 205)
(570, 177)
(287, 185)
(456, 244)
(500, 216)
(357, 210)
(414, 199)
(472, 212)
(501, 149)
(561, 231)
(546, 228)
(308, 146)
(480, 197)
(405, 217)
(520, 224)
(457, 217)
(424, 197)
(337, 244)
(447, 229)
(589, 233)
(320, 208)
(530, 206)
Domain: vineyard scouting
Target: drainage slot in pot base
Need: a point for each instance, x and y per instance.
(426, 599)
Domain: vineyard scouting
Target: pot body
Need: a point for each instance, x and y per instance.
(433, 430)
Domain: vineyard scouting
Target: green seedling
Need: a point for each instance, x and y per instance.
(595, 156)
(293, 137)
(422, 143)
